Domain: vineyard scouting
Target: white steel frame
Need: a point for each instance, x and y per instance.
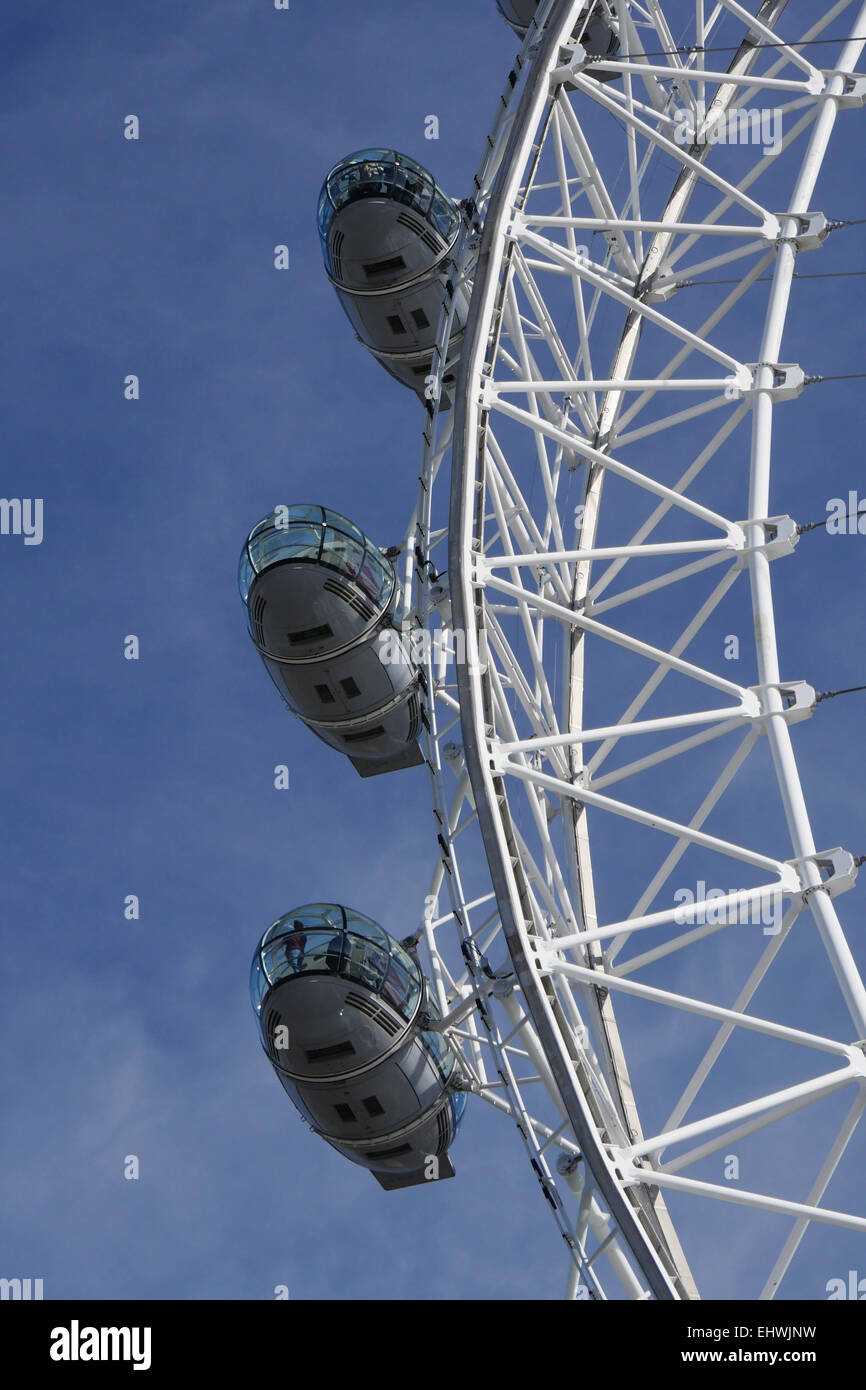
(524, 972)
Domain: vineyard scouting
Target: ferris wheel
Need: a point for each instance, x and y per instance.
(627, 883)
(630, 943)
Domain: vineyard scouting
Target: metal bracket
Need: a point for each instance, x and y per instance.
(566, 1164)
(503, 987)
(789, 379)
(854, 93)
(579, 59)
(780, 537)
(813, 228)
(837, 867)
(799, 698)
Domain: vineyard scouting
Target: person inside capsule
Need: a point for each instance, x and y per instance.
(337, 941)
(384, 174)
(295, 944)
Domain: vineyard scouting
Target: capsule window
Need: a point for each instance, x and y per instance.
(351, 688)
(396, 1152)
(311, 634)
(396, 324)
(346, 1113)
(324, 695)
(363, 737)
(421, 319)
(324, 1054)
(384, 267)
(372, 1106)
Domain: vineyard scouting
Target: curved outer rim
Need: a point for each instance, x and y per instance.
(778, 733)
(488, 786)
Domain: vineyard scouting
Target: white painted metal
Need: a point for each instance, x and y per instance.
(566, 363)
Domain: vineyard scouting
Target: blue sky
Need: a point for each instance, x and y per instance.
(154, 777)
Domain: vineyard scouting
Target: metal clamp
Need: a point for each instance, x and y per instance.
(781, 536)
(813, 230)
(854, 92)
(800, 700)
(789, 379)
(837, 867)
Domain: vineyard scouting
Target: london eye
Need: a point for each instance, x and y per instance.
(632, 943)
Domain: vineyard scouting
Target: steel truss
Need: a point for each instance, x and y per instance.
(617, 369)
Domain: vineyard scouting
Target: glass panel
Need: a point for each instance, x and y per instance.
(359, 925)
(373, 967)
(324, 916)
(299, 542)
(445, 1059)
(375, 578)
(342, 523)
(301, 953)
(415, 188)
(325, 216)
(401, 988)
(443, 216)
(408, 964)
(342, 552)
(258, 983)
(246, 575)
(383, 174)
(312, 938)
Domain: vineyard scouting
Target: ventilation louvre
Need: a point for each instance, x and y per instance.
(421, 230)
(413, 223)
(272, 1022)
(414, 719)
(342, 590)
(336, 254)
(259, 606)
(366, 1006)
(443, 1129)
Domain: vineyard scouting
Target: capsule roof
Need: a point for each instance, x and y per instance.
(326, 938)
(320, 535)
(384, 174)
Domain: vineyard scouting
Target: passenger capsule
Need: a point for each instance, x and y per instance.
(598, 37)
(386, 229)
(345, 1022)
(321, 600)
